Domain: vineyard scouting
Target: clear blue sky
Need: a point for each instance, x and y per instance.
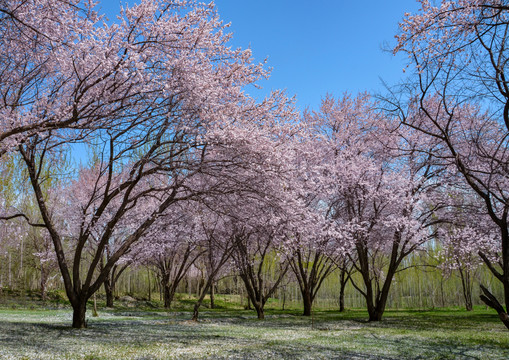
(316, 47)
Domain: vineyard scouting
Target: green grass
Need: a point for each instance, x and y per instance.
(237, 334)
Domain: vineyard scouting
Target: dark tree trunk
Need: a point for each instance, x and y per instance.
(212, 296)
(79, 314)
(308, 303)
(214, 265)
(255, 296)
(342, 299)
(199, 286)
(310, 278)
(260, 311)
(342, 283)
(79, 292)
(251, 270)
(377, 311)
(364, 269)
(167, 296)
(108, 289)
(503, 276)
(371, 310)
(377, 308)
(376, 290)
(165, 285)
(468, 302)
(489, 299)
(467, 289)
(169, 275)
(376, 314)
(196, 309)
(110, 282)
(259, 305)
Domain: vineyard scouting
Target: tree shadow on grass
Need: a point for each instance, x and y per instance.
(239, 337)
(56, 337)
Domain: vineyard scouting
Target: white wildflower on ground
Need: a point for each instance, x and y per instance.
(47, 335)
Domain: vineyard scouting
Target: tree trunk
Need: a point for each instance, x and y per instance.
(376, 294)
(377, 308)
(372, 313)
(308, 303)
(167, 296)
(78, 315)
(259, 311)
(94, 313)
(108, 288)
(168, 289)
(468, 302)
(490, 300)
(159, 287)
(199, 287)
(342, 299)
(376, 314)
(212, 296)
(342, 283)
(255, 297)
(467, 289)
(196, 309)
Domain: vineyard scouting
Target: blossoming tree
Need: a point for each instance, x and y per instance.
(165, 88)
(377, 188)
(459, 96)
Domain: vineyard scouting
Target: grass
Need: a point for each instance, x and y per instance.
(236, 334)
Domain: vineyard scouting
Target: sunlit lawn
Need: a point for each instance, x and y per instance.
(439, 334)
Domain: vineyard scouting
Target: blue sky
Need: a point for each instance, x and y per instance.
(319, 47)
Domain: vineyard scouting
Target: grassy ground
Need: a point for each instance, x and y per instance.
(236, 334)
